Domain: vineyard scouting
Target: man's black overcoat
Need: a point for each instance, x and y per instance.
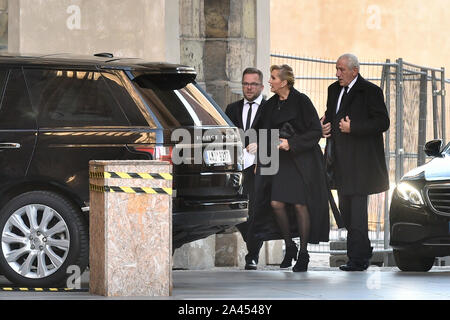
(362, 162)
(306, 153)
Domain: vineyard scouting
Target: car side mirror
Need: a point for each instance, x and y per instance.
(433, 148)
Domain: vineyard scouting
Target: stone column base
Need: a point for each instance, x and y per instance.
(196, 255)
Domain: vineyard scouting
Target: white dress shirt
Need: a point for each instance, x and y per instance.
(249, 159)
(255, 107)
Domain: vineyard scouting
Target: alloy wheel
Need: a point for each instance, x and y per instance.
(35, 241)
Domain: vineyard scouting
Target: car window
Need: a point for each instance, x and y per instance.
(177, 103)
(207, 113)
(165, 104)
(66, 98)
(131, 107)
(447, 149)
(15, 110)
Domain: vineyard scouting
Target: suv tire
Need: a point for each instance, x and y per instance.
(43, 233)
(407, 261)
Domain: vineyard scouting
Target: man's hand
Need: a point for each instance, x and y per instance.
(284, 144)
(344, 125)
(252, 148)
(326, 128)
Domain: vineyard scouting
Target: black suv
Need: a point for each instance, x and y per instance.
(57, 112)
(420, 212)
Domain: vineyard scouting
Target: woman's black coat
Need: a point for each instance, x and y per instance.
(306, 153)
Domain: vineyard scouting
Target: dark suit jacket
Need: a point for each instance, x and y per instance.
(361, 163)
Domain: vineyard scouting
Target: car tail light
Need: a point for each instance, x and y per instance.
(159, 153)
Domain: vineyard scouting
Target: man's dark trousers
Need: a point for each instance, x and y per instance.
(359, 163)
(354, 212)
(253, 245)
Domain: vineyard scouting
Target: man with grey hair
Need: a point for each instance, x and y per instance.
(354, 122)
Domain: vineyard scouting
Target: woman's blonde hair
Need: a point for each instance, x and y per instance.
(286, 73)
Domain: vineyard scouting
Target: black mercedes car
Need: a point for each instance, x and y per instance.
(420, 212)
(57, 112)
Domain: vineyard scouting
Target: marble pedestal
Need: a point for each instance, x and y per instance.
(130, 228)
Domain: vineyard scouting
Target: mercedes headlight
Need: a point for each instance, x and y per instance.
(409, 193)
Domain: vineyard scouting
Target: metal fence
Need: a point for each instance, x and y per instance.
(415, 99)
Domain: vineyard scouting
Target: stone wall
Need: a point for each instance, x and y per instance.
(414, 30)
(220, 38)
(145, 29)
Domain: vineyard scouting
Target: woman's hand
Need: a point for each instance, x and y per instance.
(284, 144)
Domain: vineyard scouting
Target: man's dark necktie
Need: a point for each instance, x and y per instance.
(249, 116)
(249, 120)
(342, 99)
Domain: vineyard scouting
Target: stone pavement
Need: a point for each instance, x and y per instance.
(318, 284)
(271, 283)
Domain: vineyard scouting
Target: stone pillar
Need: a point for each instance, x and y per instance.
(220, 38)
(130, 228)
(263, 41)
(3, 24)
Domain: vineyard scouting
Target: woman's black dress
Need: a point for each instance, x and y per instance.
(301, 177)
(287, 184)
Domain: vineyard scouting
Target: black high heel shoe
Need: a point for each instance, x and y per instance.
(291, 254)
(302, 262)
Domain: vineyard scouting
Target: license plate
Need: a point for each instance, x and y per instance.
(217, 157)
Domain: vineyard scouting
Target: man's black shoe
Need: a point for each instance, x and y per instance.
(251, 265)
(354, 266)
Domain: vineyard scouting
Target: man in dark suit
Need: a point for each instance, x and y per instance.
(244, 114)
(354, 122)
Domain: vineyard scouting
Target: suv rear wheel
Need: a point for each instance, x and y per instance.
(407, 261)
(43, 234)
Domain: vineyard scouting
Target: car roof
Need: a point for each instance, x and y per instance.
(102, 61)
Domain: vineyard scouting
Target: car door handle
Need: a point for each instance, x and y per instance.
(9, 145)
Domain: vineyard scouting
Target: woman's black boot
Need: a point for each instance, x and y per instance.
(291, 254)
(302, 262)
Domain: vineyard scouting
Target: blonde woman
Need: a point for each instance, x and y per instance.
(298, 196)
